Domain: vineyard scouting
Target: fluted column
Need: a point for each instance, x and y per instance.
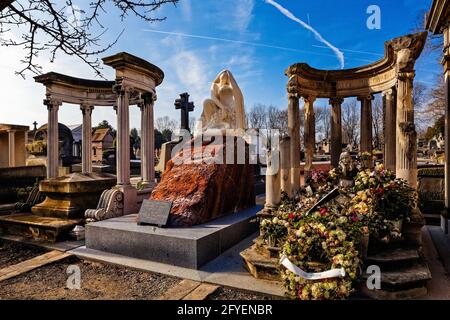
(390, 131)
(366, 123)
(406, 161)
(147, 140)
(12, 148)
(52, 137)
(123, 136)
(336, 130)
(294, 133)
(86, 152)
(310, 134)
(285, 159)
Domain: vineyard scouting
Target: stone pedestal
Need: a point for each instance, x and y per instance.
(184, 247)
(68, 197)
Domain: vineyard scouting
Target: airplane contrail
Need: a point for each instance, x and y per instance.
(287, 13)
(256, 44)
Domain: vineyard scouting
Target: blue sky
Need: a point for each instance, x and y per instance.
(252, 38)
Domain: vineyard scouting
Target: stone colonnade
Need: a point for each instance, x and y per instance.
(135, 84)
(392, 76)
(12, 141)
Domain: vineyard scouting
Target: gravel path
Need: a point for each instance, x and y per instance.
(98, 280)
(233, 294)
(12, 253)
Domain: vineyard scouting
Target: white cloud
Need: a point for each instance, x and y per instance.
(243, 14)
(186, 9)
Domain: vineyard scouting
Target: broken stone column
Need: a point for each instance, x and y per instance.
(310, 134)
(273, 181)
(336, 130)
(285, 159)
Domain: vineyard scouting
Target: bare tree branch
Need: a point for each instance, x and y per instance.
(55, 27)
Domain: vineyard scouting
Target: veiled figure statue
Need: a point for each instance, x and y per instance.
(225, 108)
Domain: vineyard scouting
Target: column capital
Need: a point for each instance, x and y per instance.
(336, 101)
(369, 97)
(52, 103)
(406, 75)
(388, 92)
(120, 89)
(85, 108)
(309, 98)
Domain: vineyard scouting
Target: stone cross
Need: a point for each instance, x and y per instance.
(35, 125)
(186, 107)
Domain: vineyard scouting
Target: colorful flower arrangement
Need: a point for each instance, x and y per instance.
(274, 231)
(381, 201)
(333, 235)
(315, 247)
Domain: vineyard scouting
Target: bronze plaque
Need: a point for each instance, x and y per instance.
(154, 212)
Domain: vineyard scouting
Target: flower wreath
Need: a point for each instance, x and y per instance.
(314, 247)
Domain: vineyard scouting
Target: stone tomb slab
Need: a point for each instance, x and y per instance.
(185, 247)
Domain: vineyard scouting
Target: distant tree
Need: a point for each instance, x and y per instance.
(159, 139)
(165, 123)
(64, 27)
(377, 122)
(323, 121)
(436, 129)
(257, 117)
(192, 123)
(167, 135)
(105, 125)
(350, 121)
(136, 138)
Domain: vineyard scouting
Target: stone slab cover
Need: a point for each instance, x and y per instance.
(203, 191)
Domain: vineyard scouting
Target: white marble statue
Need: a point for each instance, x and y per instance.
(225, 108)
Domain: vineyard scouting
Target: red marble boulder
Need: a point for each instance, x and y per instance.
(206, 189)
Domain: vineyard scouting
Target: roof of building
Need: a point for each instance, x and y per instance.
(100, 134)
(13, 127)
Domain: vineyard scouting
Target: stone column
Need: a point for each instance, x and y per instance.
(86, 152)
(273, 183)
(310, 134)
(336, 130)
(147, 140)
(285, 159)
(12, 148)
(446, 63)
(390, 133)
(406, 162)
(52, 137)
(123, 136)
(294, 134)
(366, 124)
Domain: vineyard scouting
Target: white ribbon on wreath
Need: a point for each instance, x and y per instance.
(333, 273)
